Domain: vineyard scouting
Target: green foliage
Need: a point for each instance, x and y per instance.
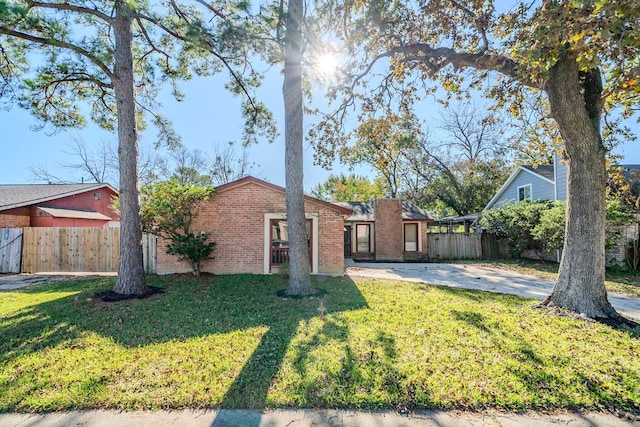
(617, 219)
(348, 188)
(515, 223)
(168, 209)
(380, 143)
(549, 231)
(465, 187)
(192, 247)
(70, 51)
(541, 225)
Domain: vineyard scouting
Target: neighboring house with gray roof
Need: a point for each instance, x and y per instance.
(545, 182)
(385, 230)
(57, 205)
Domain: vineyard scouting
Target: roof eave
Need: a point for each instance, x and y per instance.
(57, 196)
(254, 180)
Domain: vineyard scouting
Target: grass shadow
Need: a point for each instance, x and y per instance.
(60, 315)
(229, 341)
(251, 387)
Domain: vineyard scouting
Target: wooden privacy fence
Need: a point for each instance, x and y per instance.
(10, 250)
(78, 249)
(454, 245)
(464, 246)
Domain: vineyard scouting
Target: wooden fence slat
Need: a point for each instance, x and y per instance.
(10, 249)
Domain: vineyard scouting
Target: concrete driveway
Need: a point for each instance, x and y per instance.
(9, 282)
(471, 276)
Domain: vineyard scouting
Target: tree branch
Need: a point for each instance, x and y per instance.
(71, 8)
(438, 58)
(211, 9)
(479, 24)
(61, 44)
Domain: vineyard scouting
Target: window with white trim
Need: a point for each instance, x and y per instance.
(411, 237)
(524, 192)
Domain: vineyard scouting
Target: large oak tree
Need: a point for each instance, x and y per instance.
(582, 55)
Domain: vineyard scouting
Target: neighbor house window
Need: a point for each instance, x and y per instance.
(411, 237)
(363, 237)
(524, 192)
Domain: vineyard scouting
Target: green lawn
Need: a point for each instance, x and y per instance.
(228, 341)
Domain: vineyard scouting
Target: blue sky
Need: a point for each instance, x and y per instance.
(208, 115)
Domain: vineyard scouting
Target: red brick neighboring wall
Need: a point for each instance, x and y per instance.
(15, 218)
(235, 219)
(388, 230)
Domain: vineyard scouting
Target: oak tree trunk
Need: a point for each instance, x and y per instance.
(299, 280)
(575, 99)
(131, 277)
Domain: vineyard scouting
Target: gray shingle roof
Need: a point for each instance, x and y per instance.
(542, 170)
(363, 211)
(15, 196)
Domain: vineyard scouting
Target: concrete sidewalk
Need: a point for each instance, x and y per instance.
(483, 278)
(320, 418)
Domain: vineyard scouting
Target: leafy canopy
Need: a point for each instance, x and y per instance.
(349, 188)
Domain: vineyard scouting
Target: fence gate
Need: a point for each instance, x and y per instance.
(10, 250)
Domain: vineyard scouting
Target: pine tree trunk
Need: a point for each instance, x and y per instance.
(299, 280)
(576, 107)
(131, 277)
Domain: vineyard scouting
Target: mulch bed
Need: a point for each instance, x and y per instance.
(319, 292)
(110, 296)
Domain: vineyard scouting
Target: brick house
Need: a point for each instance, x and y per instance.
(246, 218)
(385, 230)
(57, 205)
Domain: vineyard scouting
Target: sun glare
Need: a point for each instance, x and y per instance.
(327, 64)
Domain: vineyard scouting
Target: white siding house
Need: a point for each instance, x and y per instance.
(546, 182)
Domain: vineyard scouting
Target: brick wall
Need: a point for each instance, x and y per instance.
(388, 230)
(235, 218)
(15, 218)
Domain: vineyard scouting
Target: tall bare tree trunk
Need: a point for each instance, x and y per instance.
(576, 105)
(299, 280)
(131, 278)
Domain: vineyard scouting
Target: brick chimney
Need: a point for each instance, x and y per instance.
(388, 229)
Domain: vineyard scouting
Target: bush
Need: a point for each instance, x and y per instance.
(515, 223)
(549, 232)
(540, 225)
(193, 248)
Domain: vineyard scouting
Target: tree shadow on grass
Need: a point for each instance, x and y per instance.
(251, 387)
(291, 355)
(540, 370)
(60, 315)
